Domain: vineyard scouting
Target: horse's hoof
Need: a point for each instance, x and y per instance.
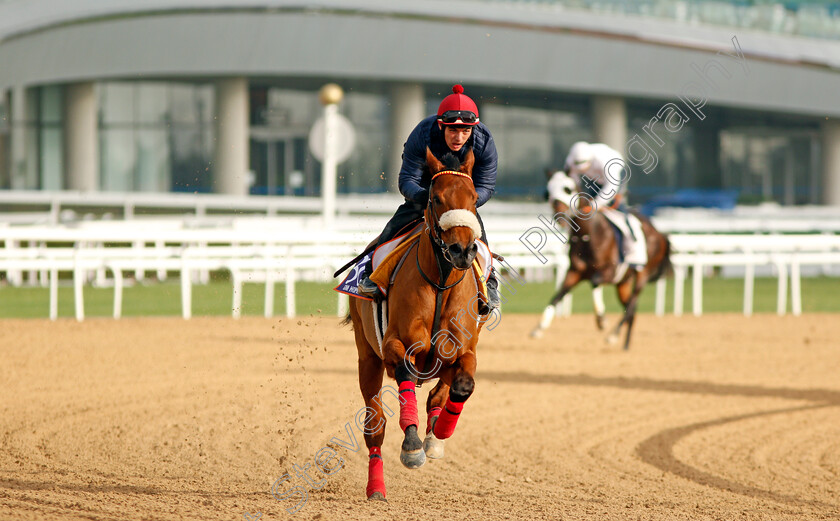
(412, 455)
(537, 333)
(432, 446)
(612, 339)
(413, 459)
(377, 496)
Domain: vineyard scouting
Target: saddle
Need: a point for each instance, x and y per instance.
(623, 235)
(387, 259)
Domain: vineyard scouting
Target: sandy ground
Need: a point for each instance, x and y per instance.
(711, 418)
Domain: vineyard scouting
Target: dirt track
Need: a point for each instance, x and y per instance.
(712, 418)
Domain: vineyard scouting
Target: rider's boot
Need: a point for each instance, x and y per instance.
(493, 299)
(368, 288)
(635, 247)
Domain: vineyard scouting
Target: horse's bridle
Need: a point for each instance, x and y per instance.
(441, 250)
(435, 232)
(442, 253)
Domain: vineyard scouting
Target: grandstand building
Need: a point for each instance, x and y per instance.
(220, 95)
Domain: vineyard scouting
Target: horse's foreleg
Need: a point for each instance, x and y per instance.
(371, 370)
(571, 280)
(461, 388)
(628, 294)
(412, 455)
(432, 445)
(625, 291)
(630, 313)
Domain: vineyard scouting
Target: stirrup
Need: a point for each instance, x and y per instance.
(493, 299)
(485, 307)
(368, 288)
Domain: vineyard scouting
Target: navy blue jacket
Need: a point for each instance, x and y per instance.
(415, 177)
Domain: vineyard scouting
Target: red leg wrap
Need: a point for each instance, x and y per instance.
(434, 412)
(408, 405)
(376, 478)
(445, 425)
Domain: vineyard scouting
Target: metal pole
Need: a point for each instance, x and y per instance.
(329, 166)
(330, 96)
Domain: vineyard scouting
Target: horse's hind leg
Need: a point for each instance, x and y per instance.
(571, 280)
(432, 445)
(371, 369)
(600, 308)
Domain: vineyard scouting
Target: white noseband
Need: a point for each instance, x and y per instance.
(460, 217)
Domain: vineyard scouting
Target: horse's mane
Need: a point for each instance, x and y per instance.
(451, 161)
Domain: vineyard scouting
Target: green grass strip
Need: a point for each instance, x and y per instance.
(819, 294)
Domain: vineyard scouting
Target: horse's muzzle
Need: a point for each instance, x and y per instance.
(460, 257)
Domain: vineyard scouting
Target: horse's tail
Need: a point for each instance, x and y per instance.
(346, 320)
(665, 267)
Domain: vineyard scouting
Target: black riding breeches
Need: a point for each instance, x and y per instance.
(407, 214)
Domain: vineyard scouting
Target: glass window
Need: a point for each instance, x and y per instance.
(118, 160)
(52, 159)
(184, 105)
(50, 137)
(190, 166)
(116, 103)
(30, 180)
(676, 167)
(363, 171)
(5, 150)
(530, 140)
(152, 103)
(156, 136)
(152, 170)
(767, 164)
(5, 161)
(291, 108)
(51, 104)
(4, 113)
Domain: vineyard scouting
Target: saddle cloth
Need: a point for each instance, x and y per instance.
(388, 257)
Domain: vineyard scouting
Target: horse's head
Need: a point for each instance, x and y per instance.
(451, 211)
(561, 191)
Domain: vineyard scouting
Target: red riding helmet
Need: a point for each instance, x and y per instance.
(458, 109)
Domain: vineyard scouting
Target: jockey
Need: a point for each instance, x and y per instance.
(454, 129)
(599, 172)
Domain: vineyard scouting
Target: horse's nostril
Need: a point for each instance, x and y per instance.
(455, 249)
(473, 249)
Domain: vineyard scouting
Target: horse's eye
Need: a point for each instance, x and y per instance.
(437, 200)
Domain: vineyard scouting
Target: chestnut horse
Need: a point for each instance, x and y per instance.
(594, 256)
(433, 325)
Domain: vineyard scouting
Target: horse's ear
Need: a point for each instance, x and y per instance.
(549, 173)
(468, 162)
(432, 162)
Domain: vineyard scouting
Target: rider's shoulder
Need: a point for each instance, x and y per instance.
(482, 136)
(420, 137)
(427, 123)
(604, 150)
